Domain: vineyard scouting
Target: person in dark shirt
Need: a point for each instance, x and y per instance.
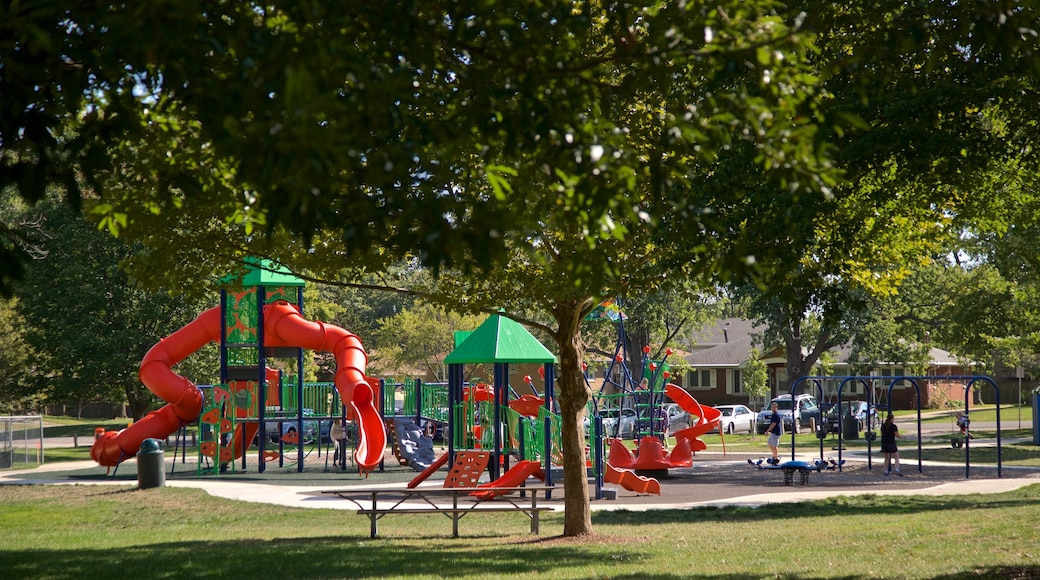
(775, 430)
(889, 434)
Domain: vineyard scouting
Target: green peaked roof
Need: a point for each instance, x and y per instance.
(461, 336)
(268, 273)
(500, 340)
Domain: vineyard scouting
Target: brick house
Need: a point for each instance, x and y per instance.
(717, 359)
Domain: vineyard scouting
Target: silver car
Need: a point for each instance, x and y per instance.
(736, 419)
(678, 418)
(283, 424)
(801, 412)
(626, 429)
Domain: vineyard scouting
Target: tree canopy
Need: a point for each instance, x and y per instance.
(88, 323)
(564, 151)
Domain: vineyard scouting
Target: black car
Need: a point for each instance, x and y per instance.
(857, 409)
(803, 412)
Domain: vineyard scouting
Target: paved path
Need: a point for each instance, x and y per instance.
(714, 479)
(710, 482)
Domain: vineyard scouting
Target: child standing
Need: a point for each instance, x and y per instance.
(889, 434)
(338, 435)
(775, 430)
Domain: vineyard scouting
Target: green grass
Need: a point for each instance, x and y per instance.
(57, 532)
(58, 454)
(55, 426)
(1009, 414)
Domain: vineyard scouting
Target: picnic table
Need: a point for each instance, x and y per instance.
(452, 502)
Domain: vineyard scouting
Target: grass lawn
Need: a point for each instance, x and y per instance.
(1009, 415)
(104, 532)
(83, 531)
(55, 426)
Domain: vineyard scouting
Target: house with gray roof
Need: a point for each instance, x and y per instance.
(717, 360)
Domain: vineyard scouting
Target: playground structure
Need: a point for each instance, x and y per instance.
(647, 397)
(874, 422)
(494, 417)
(259, 324)
(489, 420)
(650, 456)
(260, 401)
(643, 392)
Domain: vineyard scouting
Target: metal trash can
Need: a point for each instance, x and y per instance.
(151, 465)
(850, 427)
(1036, 417)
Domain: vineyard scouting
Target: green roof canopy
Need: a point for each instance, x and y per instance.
(461, 336)
(267, 273)
(500, 340)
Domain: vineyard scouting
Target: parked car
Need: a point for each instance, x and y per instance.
(800, 413)
(282, 423)
(434, 429)
(857, 409)
(611, 428)
(678, 418)
(736, 419)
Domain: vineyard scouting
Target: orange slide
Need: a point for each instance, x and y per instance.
(709, 417)
(428, 471)
(631, 481)
(512, 478)
(650, 455)
(283, 326)
(243, 432)
(244, 435)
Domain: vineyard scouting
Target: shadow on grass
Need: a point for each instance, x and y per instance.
(1007, 572)
(326, 557)
(344, 557)
(837, 506)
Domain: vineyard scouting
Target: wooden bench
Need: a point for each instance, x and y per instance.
(393, 502)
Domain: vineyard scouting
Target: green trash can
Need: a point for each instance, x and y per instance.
(850, 427)
(151, 465)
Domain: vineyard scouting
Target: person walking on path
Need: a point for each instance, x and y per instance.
(889, 434)
(775, 430)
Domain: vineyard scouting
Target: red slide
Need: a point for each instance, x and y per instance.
(183, 398)
(428, 471)
(283, 326)
(244, 435)
(709, 417)
(631, 481)
(512, 478)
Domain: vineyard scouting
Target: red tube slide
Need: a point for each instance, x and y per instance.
(284, 326)
(183, 398)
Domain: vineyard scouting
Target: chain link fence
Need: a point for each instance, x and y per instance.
(21, 441)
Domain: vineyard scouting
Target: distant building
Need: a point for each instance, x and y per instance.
(718, 357)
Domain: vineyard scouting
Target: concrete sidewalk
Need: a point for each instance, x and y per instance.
(308, 496)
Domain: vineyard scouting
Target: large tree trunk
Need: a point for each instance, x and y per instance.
(638, 337)
(573, 395)
(139, 405)
(795, 364)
